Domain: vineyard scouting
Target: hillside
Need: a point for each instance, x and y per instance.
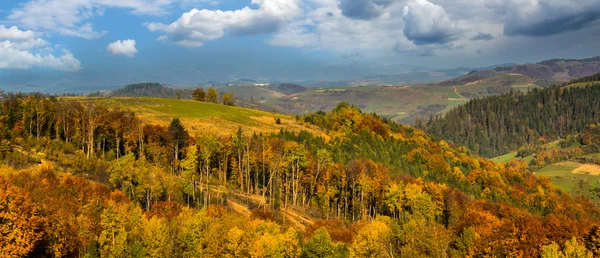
(200, 117)
(496, 125)
(89, 178)
(544, 73)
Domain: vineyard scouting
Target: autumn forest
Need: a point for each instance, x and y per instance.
(110, 185)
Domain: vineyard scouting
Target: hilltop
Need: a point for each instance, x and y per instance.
(201, 117)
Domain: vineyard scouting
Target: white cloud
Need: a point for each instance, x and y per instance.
(426, 23)
(72, 17)
(21, 49)
(324, 26)
(196, 27)
(125, 47)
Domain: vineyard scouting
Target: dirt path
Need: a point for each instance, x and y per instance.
(457, 93)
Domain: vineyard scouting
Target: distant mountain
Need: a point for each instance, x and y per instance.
(544, 73)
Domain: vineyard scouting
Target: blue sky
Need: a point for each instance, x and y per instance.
(96, 43)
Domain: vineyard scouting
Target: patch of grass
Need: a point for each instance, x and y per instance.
(505, 158)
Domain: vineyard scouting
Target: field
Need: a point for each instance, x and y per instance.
(201, 116)
(574, 178)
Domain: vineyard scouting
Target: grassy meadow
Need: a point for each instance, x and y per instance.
(202, 116)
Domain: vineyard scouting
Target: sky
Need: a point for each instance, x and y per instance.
(96, 43)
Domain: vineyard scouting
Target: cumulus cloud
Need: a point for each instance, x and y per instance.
(482, 36)
(21, 49)
(125, 48)
(71, 18)
(427, 23)
(196, 27)
(544, 17)
(363, 9)
(325, 27)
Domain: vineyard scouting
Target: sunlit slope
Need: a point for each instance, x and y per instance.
(202, 116)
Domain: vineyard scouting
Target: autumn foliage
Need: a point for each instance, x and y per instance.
(118, 187)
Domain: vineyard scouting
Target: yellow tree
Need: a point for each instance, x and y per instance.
(156, 237)
(212, 96)
(372, 240)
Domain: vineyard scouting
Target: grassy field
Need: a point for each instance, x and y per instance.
(201, 116)
(561, 174)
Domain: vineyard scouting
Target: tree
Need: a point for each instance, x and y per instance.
(212, 96)
(156, 237)
(179, 136)
(20, 222)
(228, 99)
(319, 245)
(373, 240)
(199, 94)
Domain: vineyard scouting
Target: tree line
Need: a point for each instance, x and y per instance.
(213, 96)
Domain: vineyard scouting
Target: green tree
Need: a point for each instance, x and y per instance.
(319, 245)
(178, 136)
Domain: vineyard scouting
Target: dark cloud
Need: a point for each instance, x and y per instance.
(363, 9)
(552, 24)
(482, 36)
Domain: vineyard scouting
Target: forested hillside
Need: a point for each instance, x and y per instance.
(496, 125)
(83, 179)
